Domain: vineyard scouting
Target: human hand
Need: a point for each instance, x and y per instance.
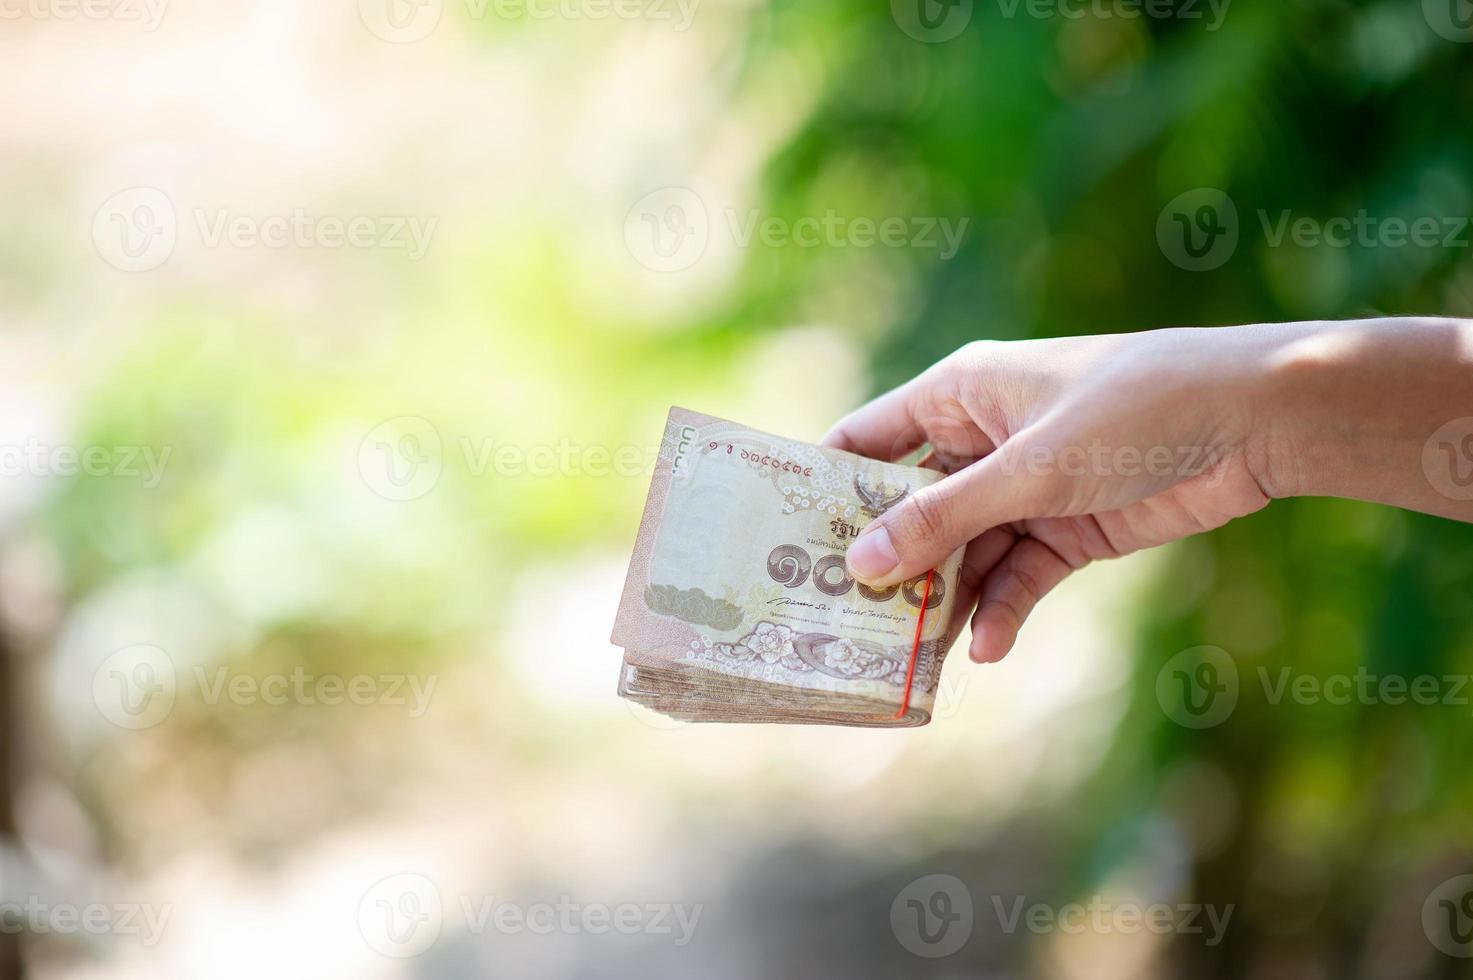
(1062, 452)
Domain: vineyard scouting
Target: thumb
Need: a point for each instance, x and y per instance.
(918, 534)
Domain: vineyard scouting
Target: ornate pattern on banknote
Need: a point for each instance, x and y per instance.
(777, 645)
(876, 500)
(693, 606)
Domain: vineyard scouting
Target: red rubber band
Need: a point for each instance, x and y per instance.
(915, 650)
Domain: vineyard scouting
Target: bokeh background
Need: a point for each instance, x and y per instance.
(250, 466)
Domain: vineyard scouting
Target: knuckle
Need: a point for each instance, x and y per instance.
(924, 520)
(1019, 586)
(907, 437)
(1025, 585)
(971, 578)
(960, 362)
(975, 352)
(1008, 607)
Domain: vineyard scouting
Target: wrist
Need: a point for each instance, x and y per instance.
(1256, 380)
(1344, 409)
(1298, 429)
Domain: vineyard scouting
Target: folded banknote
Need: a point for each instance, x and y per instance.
(738, 606)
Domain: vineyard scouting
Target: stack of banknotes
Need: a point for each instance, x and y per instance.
(738, 606)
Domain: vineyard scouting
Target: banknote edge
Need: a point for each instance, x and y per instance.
(654, 512)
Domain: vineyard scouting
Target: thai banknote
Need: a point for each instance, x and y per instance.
(738, 606)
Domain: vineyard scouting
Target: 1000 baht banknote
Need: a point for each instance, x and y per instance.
(738, 605)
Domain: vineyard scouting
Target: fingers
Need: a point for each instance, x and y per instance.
(1012, 588)
(903, 420)
(981, 556)
(920, 532)
(885, 429)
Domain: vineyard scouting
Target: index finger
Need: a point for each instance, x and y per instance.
(884, 429)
